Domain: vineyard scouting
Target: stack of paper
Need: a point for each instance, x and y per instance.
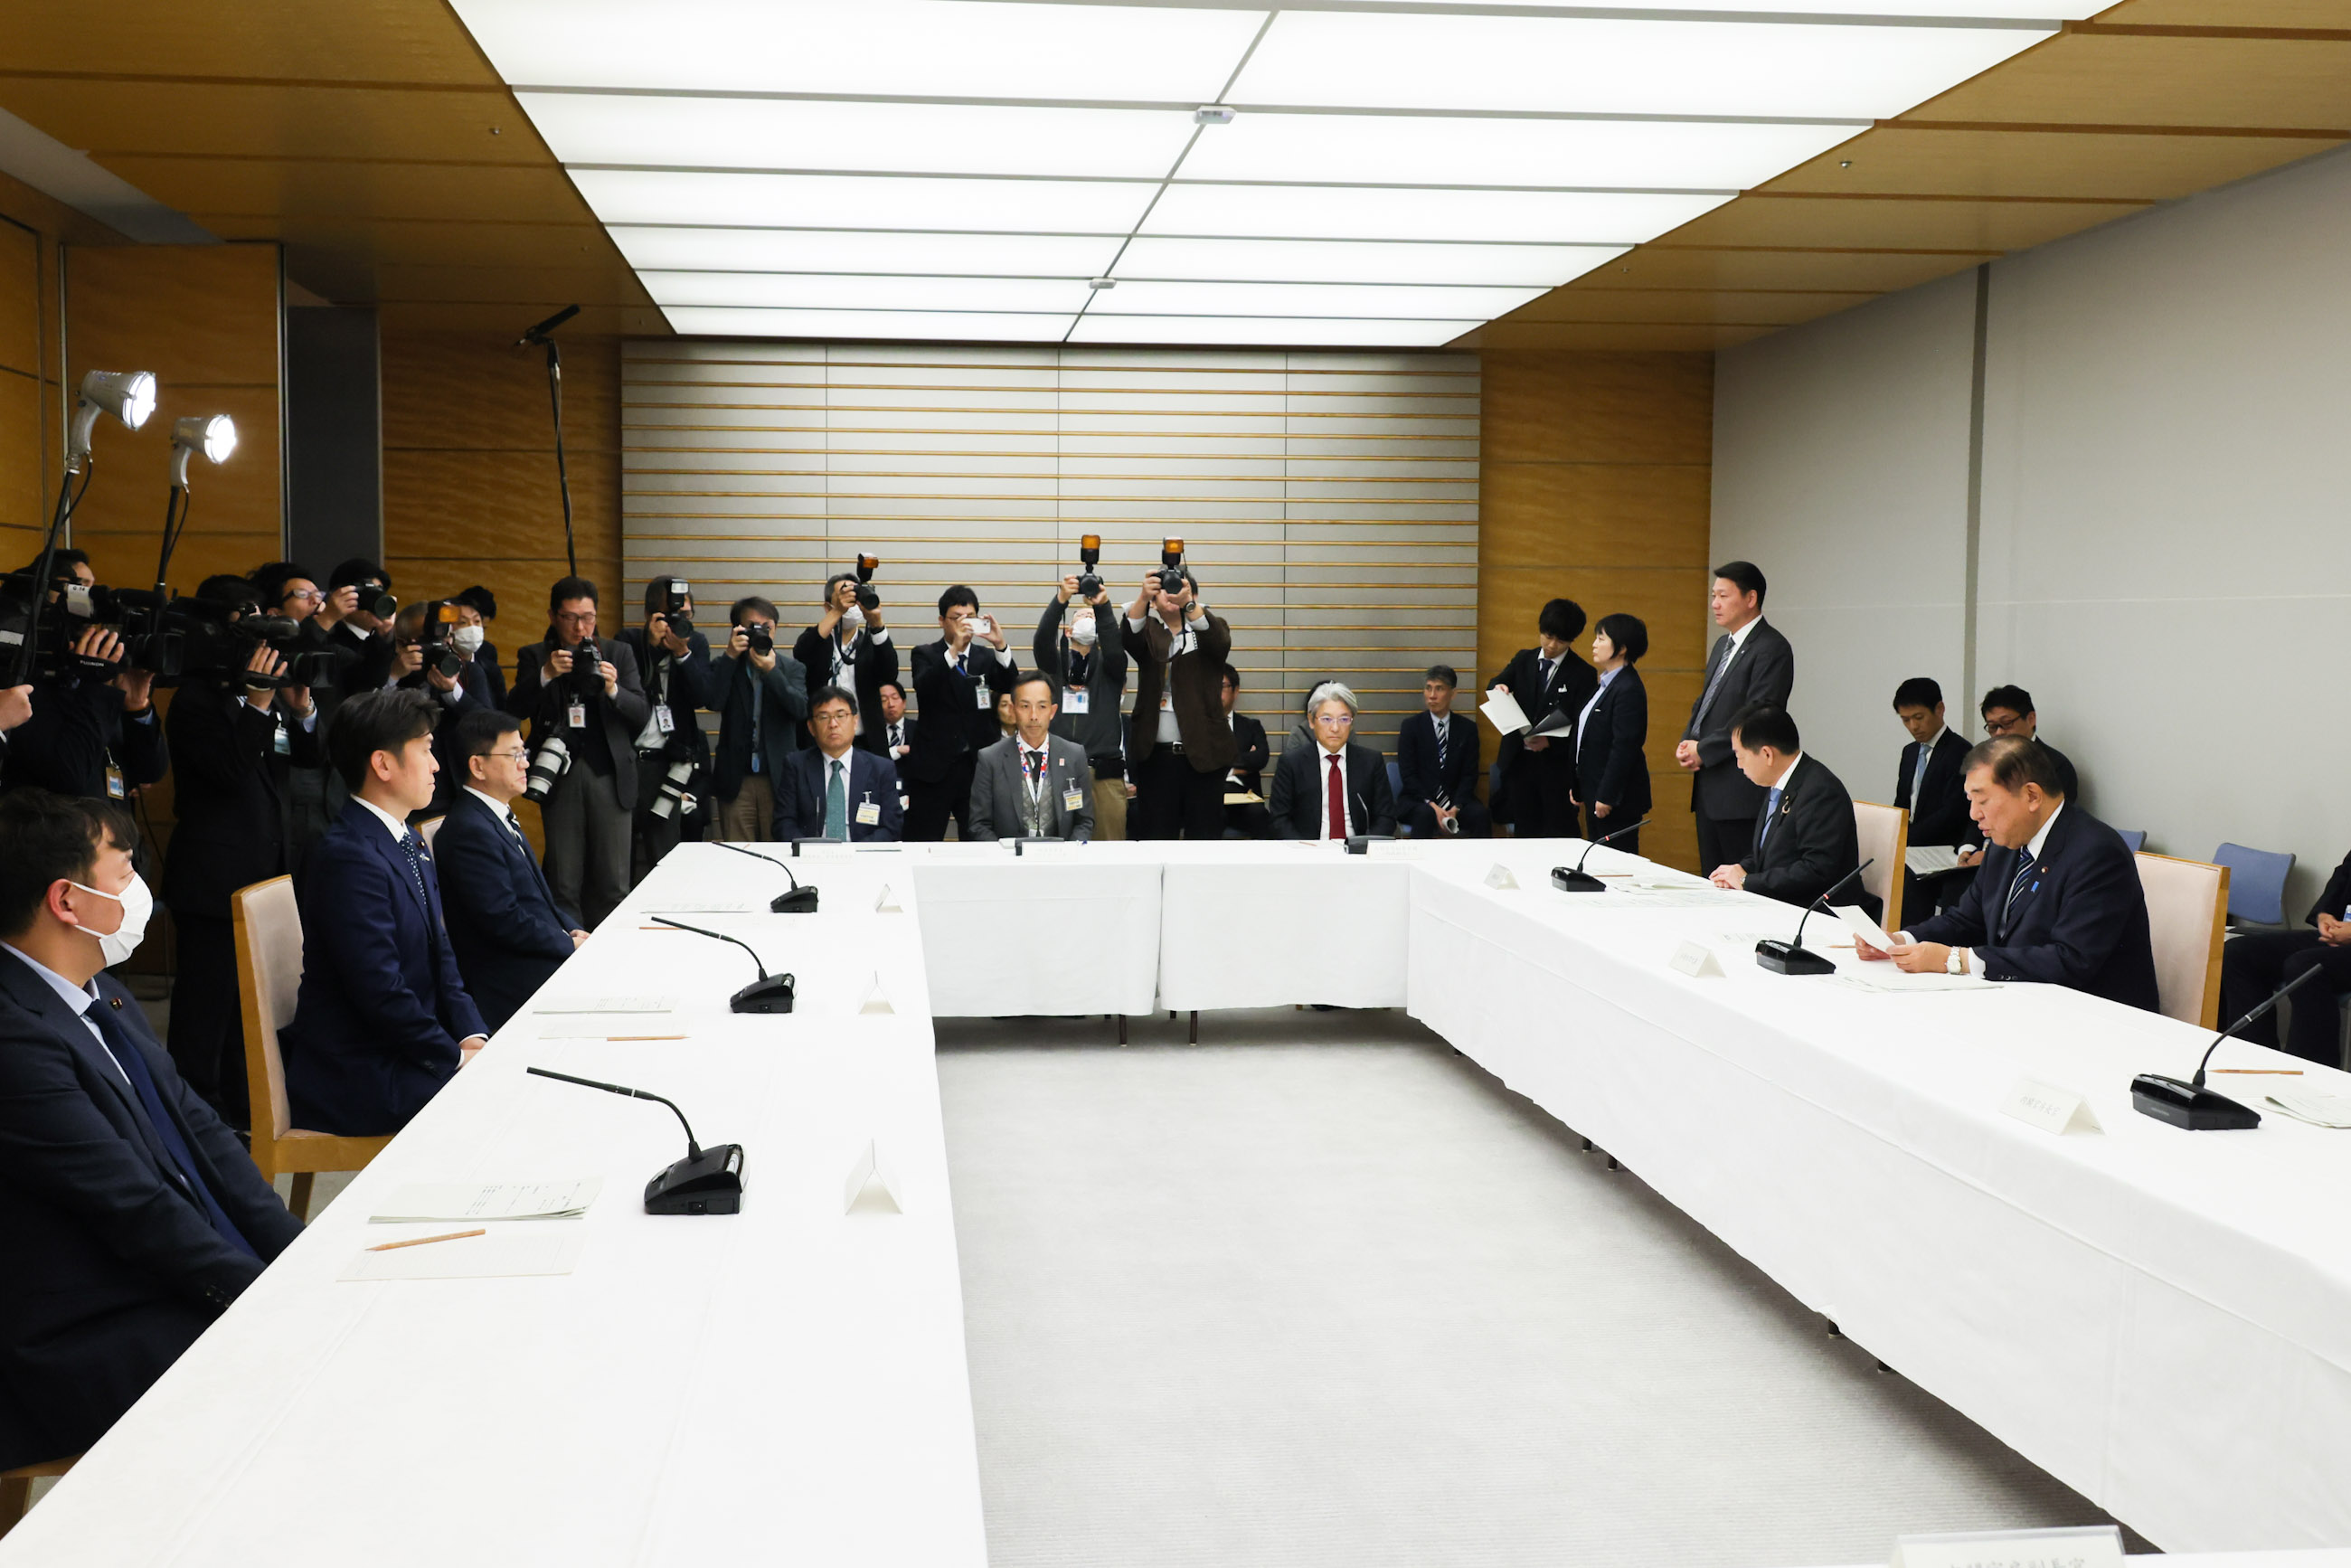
(2316, 1106)
(1930, 860)
(617, 1004)
(1504, 710)
(421, 1201)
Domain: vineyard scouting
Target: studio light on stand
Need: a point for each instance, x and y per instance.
(214, 436)
(129, 397)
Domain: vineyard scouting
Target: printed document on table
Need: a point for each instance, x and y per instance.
(1930, 860)
(489, 1200)
(603, 1005)
(1857, 921)
(502, 1254)
(1504, 710)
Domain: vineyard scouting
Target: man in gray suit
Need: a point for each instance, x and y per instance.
(1033, 784)
(1751, 662)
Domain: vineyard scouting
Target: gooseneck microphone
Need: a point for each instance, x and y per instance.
(2190, 1105)
(707, 1181)
(799, 901)
(1574, 879)
(1794, 957)
(763, 995)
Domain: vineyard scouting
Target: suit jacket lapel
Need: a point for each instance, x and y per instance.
(397, 859)
(34, 994)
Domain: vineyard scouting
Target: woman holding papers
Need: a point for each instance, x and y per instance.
(1612, 777)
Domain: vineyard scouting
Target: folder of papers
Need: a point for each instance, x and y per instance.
(1930, 860)
(1504, 710)
(421, 1201)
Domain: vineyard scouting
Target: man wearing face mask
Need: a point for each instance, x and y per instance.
(129, 1215)
(1086, 659)
(849, 648)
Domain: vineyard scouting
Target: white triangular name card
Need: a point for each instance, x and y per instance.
(1501, 877)
(2078, 1546)
(868, 1188)
(1697, 960)
(888, 903)
(876, 999)
(2049, 1108)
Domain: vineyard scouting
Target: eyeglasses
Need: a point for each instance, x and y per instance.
(517, 754)
(311, 594)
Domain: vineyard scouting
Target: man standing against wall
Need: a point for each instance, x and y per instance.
(1750, 663)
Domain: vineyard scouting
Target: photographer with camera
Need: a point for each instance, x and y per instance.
(1178, 745)
(1081, 647)
(480, 607)
(581, 694)
(672, 756)
(237, 730)
(849, 648)
(314, 794)
(354, 619)
(763, 695)
(426, 658)
(93, 730)
(956, 684)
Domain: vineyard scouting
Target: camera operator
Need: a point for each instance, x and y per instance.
(481, 607)
(1179, 745)
(355, 621)
(583, 689)
(425, 658)
(762, 697)
(956, 686)
(87, 734)
(314, 794)
(849, 648)
(237, 743)
(1085, 658)
(678, 681)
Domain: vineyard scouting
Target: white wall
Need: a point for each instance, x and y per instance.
(2166, 533)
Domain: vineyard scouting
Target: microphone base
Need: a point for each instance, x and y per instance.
(2186, 1106)
(1787, 959)
(772, 994)
(799, 901)
(1360, 844)
(710, 1183)
(818, 840)
(1567, 879)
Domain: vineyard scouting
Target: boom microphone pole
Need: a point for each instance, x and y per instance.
(544, 333)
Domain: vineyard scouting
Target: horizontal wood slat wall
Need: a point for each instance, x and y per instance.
(1598, 473)
(1328, 501)
(33, 229)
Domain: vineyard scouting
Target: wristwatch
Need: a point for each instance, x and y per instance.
(1957, 963)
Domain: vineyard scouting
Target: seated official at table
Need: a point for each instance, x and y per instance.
(1611, 775)
(1436, 758)
(382, 1019)
(2255, 964)
(1337, 787)
(1805, 839)
(837, 789)
(1033, 784)
(1251, 753)
(129, 1215)
(504, 926)
(2058, 900)
(1929, 784)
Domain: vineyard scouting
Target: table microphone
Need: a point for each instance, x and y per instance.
(799, 901)
(1794, 957)
(1573, 879)
(764, 995)
(2190, 1104)
(707, 1181)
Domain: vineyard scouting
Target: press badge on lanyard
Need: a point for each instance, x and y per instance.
(279, 741)
(577, 715)
(113, 780)
(661, 721)
(1073, 700)
(1072, 798)
(869, 812)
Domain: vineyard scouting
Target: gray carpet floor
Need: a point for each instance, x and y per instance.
(1321, 1292)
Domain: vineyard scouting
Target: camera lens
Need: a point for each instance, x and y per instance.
(1089, 584)
(547, 764)
(868, 597)
(760, 639)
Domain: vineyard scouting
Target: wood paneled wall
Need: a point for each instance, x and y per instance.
(469, 485)
(1595, 473)
(32, 228)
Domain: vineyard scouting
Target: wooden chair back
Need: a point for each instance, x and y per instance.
(1885, 833)
(2187, 920)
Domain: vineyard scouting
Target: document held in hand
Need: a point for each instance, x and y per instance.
(1930, 860)
(1504, 710)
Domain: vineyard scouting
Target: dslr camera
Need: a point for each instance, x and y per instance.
(442, 617)
(674, 608)
(376, 599)
(868, 597)
(1171, 566)
(1090, 583)
(760, 637)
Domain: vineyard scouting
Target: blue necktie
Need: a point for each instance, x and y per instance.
(167, 1131)
(2015, 886)
(413, 848)
(1919, 779)
(1770, 815)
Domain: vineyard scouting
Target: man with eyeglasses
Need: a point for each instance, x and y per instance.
(507, 930)
(314, 795)
(2008, 710)
(582, 690)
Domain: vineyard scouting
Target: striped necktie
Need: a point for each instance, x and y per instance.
(1442, 726)
(2015, 886)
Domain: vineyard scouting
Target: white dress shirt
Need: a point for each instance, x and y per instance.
(498, 809)
(393, 825)
(1585, 717)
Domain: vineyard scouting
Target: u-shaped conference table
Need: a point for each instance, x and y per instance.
(2161, 1320)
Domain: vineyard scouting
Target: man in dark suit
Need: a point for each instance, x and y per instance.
(1086, 659)
(2058, 900)
(2257, 963)
(382, 1019)
(957, 681)
(129, 1215)
(505, 926)
(1805, 839)
(90, 734)
(2008, 710)
(1337, 788)
(1548, 682)
(1178, 746)
(1247, 775)
(1750, 662)
(584, 688)
(1032, 783)
(673, 666)
(236, 745)
(1436, 758)
(762, 697)
(1612, 769)
(1930, 786)
(849, 648)
(863, 809)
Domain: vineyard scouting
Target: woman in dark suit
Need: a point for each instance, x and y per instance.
(1612, 777)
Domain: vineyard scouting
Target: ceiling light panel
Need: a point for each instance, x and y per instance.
(930, 326)
(835, 291)
(1292, 332)
(1360, 261)
(629, 129)
(1425, 300)
(867, 202)
(1971, 10)
(1307, 211)
(852, 250)
(1431, 150)
(1592, 65)
(900, 49)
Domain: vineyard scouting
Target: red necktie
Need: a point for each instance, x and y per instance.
(1338, 807)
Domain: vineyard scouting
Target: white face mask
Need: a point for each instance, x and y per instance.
(466, 639)
(1082, 630)
(137, 906)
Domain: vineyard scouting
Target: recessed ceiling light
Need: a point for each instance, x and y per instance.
(855, 250)
(1137, 298)
(831, 292)
(1361, 261)
(865, 201)
(1324, 211)
(932, 326)
(1305, 330)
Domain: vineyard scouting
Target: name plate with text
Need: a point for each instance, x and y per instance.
(1697, 960)
(2049, 1108)
(2088, 1546)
